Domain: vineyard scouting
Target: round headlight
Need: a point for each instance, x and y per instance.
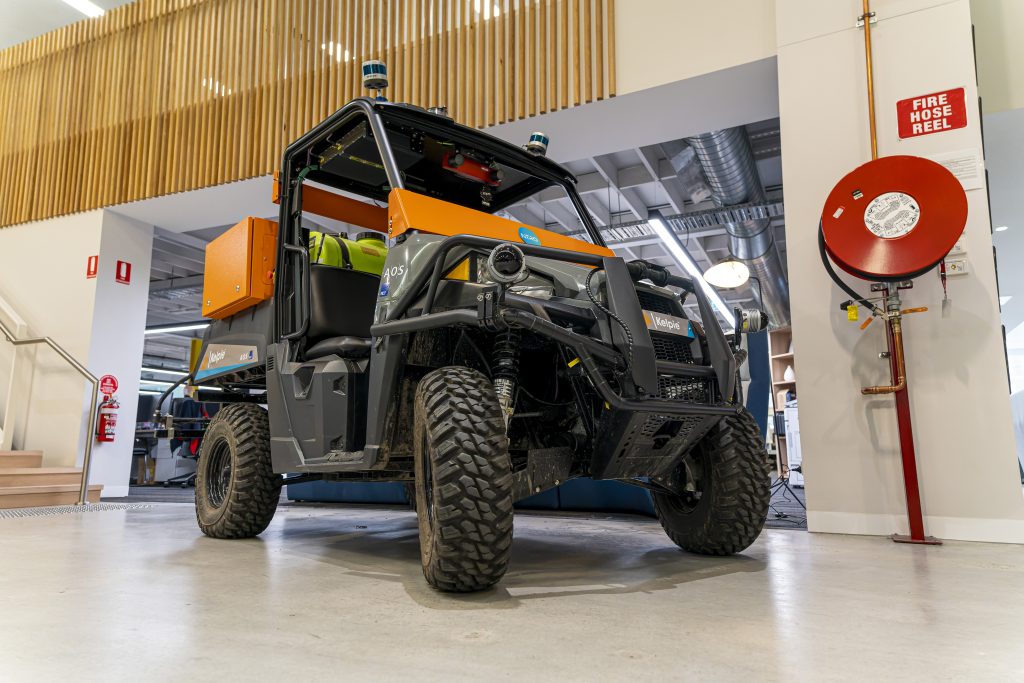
(507, 264)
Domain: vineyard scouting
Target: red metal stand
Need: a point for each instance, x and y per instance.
(906, 431)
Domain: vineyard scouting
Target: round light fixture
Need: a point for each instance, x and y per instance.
(728, 274)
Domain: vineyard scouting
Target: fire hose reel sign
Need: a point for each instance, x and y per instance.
(934, 113)
(892, 214)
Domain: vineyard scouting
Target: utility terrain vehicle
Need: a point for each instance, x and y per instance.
(482, 360)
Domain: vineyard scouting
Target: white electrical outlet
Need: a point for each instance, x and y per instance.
(960, 247)
(956, 267)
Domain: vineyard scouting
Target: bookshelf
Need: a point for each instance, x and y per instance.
(781, 357)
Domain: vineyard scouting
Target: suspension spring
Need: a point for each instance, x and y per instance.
(506, 369)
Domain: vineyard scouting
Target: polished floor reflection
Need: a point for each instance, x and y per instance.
(336, 592)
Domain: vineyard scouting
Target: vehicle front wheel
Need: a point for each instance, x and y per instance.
(725, 504)
(236, 488)
(463, 481)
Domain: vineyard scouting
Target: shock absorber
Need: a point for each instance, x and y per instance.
(506, 370)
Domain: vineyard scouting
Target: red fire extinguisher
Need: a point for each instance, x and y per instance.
(108, 419)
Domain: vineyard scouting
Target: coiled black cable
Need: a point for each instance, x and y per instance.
(857, 298)
(625, 328)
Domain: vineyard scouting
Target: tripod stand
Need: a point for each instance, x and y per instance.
(783, 485)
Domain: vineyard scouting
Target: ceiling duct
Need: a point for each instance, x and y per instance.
(728, 164)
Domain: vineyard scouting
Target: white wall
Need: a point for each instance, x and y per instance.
(100, 322)
(118, 324)
(42, 277)
(1000, 51)
(664, 41)
(957, 375)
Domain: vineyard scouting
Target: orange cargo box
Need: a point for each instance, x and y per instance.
(240, 268)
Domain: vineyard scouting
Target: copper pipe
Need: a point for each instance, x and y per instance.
(871, 77)
(899, 367)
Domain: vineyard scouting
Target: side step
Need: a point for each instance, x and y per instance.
(336, 461)
(40, 496)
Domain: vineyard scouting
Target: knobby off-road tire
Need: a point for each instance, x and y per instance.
(236, 488)
(731, 468)
(463, 481)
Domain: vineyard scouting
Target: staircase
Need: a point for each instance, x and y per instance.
(24, 482)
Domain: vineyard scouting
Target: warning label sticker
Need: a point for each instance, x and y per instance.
(891, 215)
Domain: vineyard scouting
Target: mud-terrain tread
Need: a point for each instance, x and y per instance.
(738, 496)
(469, 545)
(255, 490)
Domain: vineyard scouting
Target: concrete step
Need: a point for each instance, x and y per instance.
(39, 476)
(21, 459)
(39, 496)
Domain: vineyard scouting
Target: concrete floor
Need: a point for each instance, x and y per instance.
(336, 592)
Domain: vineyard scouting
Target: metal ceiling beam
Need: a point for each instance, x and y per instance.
(651, 158)
(179, 252)
(181, 238)
(629, 196)
(598, 212)
(567, 219)
(173, 283)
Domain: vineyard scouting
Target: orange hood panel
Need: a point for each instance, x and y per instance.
(408, 210)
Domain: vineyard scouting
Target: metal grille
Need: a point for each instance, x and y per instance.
(685, 389)
(653, 424)
(649, 301)
(69, 509)
(672, 348)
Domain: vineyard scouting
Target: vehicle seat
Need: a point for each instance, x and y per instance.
(342, 303)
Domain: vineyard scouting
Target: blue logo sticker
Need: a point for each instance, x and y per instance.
(528, 236)
(384, 289)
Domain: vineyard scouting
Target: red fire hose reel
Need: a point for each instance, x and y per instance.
(889, 221)
(893, 218)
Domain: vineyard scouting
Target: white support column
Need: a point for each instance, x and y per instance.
(118, 327)
(956, 369)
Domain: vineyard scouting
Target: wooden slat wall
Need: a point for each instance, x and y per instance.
(164, 96)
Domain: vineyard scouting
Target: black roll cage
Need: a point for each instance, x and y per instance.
(293, 278)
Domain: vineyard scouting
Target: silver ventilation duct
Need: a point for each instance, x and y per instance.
(728, 164)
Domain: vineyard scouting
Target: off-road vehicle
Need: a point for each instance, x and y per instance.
(483, 360)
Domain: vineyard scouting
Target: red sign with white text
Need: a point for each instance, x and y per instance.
(935, 113)
(91, 266)
(123, 274)
(108, 385)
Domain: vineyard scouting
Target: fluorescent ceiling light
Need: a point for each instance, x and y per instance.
(147, 392)
(170, 329)
(1002, 228)
(89, 9)
(684, 259)
(164, 371)
(1003, 300)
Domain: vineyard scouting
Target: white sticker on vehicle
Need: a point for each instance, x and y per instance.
(390, 279)
(660, 322)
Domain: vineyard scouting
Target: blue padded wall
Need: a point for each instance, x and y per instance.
(579, 494)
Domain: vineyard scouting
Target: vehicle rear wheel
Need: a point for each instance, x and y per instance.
(728, 488)
(236, 488)
(463, 481)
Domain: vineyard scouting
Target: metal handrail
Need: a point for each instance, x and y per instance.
(83, 492)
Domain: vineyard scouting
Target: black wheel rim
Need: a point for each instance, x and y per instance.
(218, 471)
(695, 472)
(427, 480)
